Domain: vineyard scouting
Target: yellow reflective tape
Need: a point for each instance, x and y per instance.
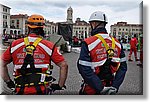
(103, 41)
(113, 43)
(32, 84)
(26, 41)
(48, 75)
(37, 41)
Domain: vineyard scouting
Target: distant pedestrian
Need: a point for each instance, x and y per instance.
(75, 40)
(133, 48)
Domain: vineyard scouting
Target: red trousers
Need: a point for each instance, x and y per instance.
(135, 52)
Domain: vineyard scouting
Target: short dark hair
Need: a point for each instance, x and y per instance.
(38, 31)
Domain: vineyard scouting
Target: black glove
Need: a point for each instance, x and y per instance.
(57, 87)
(11, 85)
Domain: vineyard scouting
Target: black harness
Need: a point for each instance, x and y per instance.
(31, 76)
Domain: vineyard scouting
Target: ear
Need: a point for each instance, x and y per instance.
(93, 24)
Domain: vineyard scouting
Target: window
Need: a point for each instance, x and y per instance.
(5, 24)
(126, 37)
(76, 32)
(26, 22)
(12, 21)
(4, 16)
(4, 9)
(17, 26)
(17, 21)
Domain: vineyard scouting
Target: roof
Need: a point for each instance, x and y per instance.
(19, 16)
(5, 6)
(125, 24)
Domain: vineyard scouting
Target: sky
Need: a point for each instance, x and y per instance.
(56, 10)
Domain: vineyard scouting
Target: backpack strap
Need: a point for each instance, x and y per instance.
(109, 50)
(31, 48)
(104, 42)
(113, 43)
(105, 73)
(26, 41)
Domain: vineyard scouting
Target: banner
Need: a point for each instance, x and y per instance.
(66, 31)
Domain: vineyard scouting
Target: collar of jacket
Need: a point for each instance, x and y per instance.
(98, 30)
(33, 35)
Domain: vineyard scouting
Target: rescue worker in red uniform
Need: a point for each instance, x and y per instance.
(32, 58)
(102, 61)
(133, 48)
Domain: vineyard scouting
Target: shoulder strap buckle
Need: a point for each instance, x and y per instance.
(30, 48)
(109, 50)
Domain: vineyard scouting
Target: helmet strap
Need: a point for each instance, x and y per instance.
(99, 25)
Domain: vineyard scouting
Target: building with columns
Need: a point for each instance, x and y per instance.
(50, 28)
(81, 29)
(18, 24)
(4, 19)
(123, 30)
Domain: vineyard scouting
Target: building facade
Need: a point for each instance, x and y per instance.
(123, 30)
(4, 19)
(81, 29)
(50, 28)
(18, 24)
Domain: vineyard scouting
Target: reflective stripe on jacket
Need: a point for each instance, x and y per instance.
(87, 64)
(41, 54)
(98, 54)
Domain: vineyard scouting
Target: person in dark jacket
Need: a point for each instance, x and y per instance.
(102, 66)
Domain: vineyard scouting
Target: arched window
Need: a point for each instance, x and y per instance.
(18, 32)
(15, 32)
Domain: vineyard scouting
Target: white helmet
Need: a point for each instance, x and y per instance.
(98, 16)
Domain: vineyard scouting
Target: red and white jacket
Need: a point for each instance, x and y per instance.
(98, 53)
(16, 53)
